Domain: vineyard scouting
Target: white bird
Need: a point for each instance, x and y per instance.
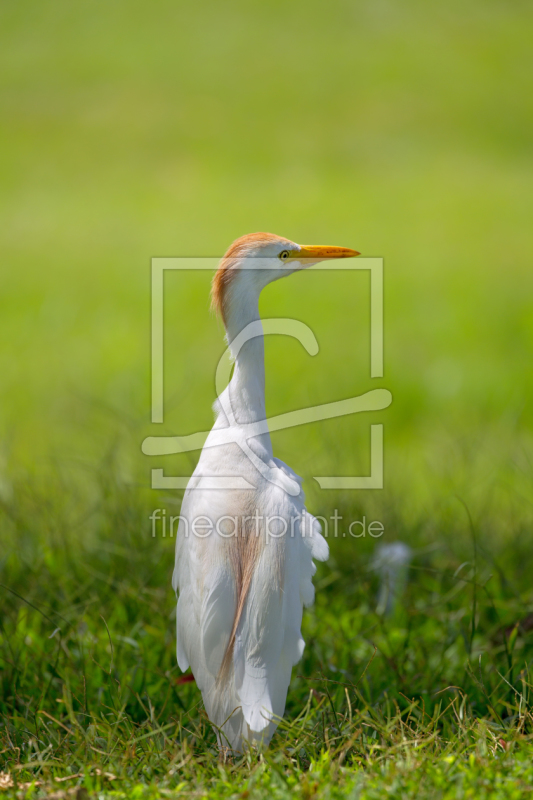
(244, 555)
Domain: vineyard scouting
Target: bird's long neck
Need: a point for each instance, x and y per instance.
(247, 385)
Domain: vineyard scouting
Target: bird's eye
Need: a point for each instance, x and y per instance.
(284, 255)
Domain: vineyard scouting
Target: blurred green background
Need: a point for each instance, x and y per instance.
(404, 130)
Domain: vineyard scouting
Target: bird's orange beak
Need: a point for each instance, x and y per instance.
(319, 252)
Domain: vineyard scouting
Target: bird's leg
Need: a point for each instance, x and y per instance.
(225, 755)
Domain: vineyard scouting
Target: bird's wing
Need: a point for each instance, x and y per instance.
(206, 585)
(269, 641)
(313, 544)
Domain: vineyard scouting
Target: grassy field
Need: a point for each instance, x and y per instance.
(132, 131)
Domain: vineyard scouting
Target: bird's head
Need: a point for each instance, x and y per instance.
(257, 259)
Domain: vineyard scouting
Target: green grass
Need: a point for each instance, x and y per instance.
(435, 698)
(133, 131)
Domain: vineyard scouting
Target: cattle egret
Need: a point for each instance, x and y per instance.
(246, 541)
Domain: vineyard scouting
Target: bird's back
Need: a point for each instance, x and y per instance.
(243, 572)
